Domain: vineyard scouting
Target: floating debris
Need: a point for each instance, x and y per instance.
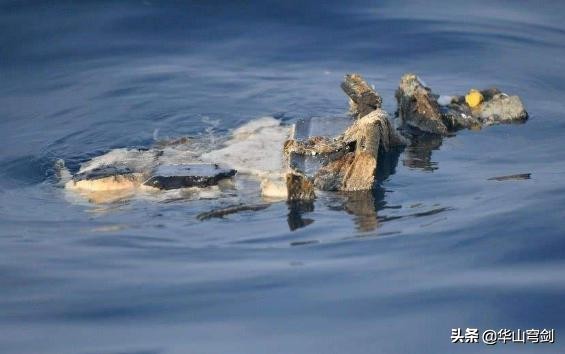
(106, 178)
(188, 175)
(420, 108)
(474, 98)
(503, 109)
(221, 212)
(517, 177)
(304, 243)
(346, 154)
(299, 187)
(431, 212)
(347, 162)
(363, 99)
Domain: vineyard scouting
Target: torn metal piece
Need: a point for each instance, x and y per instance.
(330, 176)
(417, 107)
(363, 98)
(371, 132)
(349, 161)
(370, 135)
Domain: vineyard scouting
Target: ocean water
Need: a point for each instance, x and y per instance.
(439, 245)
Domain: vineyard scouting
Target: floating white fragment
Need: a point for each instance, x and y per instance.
(444, 100)
(274, 188)
(255, 148)
(135, 159)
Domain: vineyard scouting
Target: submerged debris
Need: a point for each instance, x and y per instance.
(304, 243)
(163, 143)
(517, 177)
(221, 212)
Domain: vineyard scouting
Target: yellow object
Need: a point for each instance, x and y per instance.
(474, 98)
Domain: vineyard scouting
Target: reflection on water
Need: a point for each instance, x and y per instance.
(418, 154)
(296, 210)
(365, 206)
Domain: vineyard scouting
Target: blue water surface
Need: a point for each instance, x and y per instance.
(437, 246)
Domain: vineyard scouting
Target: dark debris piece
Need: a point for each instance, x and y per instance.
(221, 212)
(364, 99)
(517, 177)
(188, 175)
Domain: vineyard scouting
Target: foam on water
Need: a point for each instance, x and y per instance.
(254, 149)
(134, 159)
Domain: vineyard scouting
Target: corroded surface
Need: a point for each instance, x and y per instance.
(299, 187)
(363, 98)
(329, 154)
(418, 108)
(349, 161)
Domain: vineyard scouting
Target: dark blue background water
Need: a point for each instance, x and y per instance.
(451, 248)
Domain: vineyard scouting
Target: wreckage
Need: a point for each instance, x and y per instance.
(350, 162)
(427, 112)
(313, 157)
